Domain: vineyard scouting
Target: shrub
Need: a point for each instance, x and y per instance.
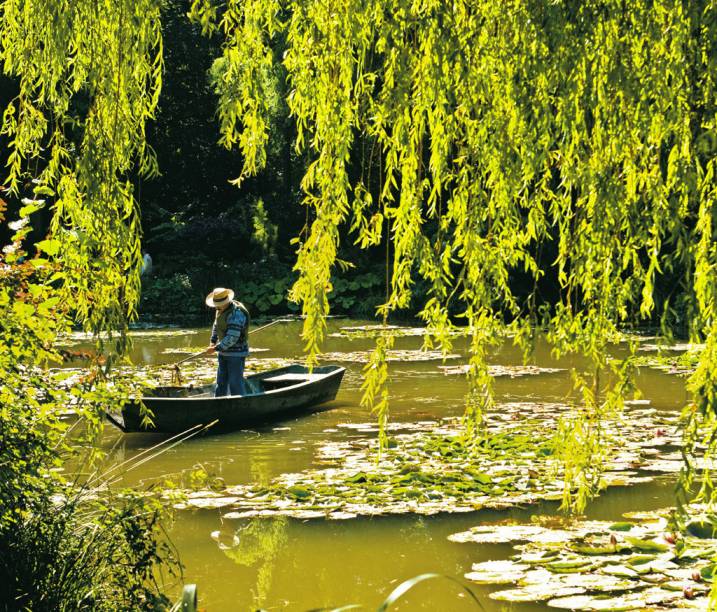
(76, 550)
(171, 297)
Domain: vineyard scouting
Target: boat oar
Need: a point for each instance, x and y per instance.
(176, 374)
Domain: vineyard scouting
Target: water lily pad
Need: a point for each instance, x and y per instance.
(586, 549)
(538, 557)
(621, 526)
(502, 534)
(564, 566)
(299, 492)
(372, 331)
(600, 582)
(391, 355)
(619, 570)
(496, 572)
(651, 577)
(211, 502)
(596, 602)
(511, 371)
(341, 516)
(647, 545)
(534, 593)
(427, 469)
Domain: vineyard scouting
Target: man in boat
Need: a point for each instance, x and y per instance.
(229, 340)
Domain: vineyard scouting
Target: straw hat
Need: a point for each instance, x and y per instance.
(219, 297)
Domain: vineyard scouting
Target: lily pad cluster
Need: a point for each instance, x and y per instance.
(147, 335)
(683, 364)
(428, 468)
(393, 355)
(496, 371)
(642, 563)
(371, 331)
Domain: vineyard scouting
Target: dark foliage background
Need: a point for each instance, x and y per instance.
(202, 231)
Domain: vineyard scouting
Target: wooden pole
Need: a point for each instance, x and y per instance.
(251, 331)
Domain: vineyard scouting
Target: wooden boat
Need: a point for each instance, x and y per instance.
(274, 395)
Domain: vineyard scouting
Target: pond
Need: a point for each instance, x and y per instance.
(285, 563)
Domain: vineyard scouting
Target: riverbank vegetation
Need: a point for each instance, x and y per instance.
(72, 133)
(498, 170)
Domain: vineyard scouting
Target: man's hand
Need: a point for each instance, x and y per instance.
(211, 349)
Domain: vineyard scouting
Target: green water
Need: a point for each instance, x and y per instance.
(299, 565)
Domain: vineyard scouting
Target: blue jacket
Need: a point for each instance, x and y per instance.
(234, 342)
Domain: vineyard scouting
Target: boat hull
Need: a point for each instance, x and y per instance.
(278, 394)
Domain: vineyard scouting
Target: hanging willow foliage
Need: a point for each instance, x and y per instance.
(89, 74)
(502, 126)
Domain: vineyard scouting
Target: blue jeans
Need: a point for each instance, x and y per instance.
(230, 376)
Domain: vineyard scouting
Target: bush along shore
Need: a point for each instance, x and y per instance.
(178, 297)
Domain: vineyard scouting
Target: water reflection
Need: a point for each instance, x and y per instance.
(256, 545)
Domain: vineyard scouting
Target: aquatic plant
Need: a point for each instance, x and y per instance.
(681, 364)
(644, 562)
(427, 469)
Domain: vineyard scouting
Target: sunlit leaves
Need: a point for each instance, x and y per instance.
(88, 76)
(502, 128)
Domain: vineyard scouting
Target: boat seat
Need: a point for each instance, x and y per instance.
(292, 378)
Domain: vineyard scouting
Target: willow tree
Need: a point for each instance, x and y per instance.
(500, 127)
(88, 75)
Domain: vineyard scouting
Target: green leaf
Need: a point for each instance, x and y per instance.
(31, 206)
(43, 190)
(23, 310)
(51, 247)
(298, 492)
(646, 545)
(621, 526)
